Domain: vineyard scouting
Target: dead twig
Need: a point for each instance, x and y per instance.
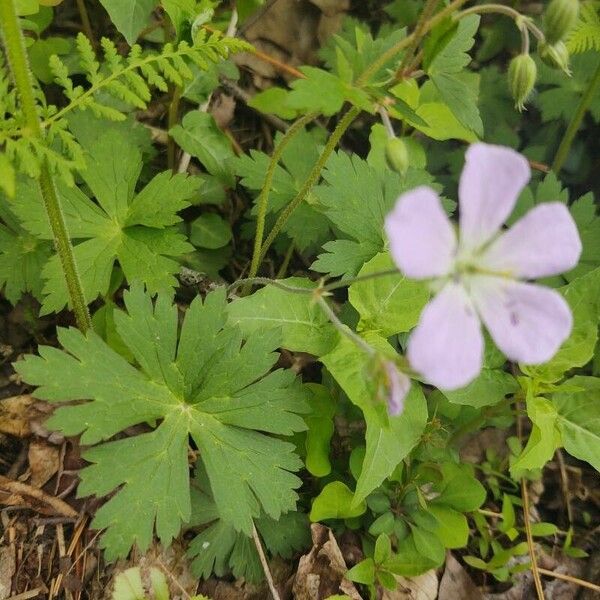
(22, 489)
(264, 563)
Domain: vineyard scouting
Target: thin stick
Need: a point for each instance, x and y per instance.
(571, 579)
(85, 22)
(264, 563)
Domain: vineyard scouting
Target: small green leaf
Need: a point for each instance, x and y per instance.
(302, 324)
(199, 135)
(543, 529)
(129, 17)
(210, 231)
(363, 572)
(273, 101)
(320, 429)
(335, 501)
(383, 549)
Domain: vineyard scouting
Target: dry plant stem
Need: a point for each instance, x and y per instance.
(535, 570)
(264, 563)
(530, 543)
(17, 59)
(570, 579)
(312, 178)
(565, 145)
(263, 198)
(85, 22)
(418, 33)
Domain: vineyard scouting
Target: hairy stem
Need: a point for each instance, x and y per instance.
(407, 41)
(418, 33)
(263, 198)
(17, 59)
(312, 178)
(582, 108)
(173, 119)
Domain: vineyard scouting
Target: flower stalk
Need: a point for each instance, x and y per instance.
(17, 59)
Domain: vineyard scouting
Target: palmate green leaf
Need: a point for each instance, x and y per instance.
(386, 443)
(22, 257)
(210, 385)
(219, 548)
(300, 324)
(129, 17)
(356, 197)
(390, 304)
(134, 229)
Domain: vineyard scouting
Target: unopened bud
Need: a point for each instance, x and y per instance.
(559, 19)
(396, 153)
(522, 73)
(555, 56)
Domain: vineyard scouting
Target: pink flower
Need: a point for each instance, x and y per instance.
(396, 386)
(480, 277)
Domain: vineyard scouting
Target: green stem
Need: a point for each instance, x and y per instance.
(406, 42)
(172, 120)
(17, 59)
(418, 33)
(344, 329)
(522, 22)
(263, 198)
(312, 178)
(249, 281)
(569, 136)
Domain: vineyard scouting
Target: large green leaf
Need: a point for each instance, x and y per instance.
(129, 16)
(207, 383)
(302, 325)
(387, 443)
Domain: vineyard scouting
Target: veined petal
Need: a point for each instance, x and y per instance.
(544, 242)
(422, 240)
(491, 181)
(446, 347)
(528, 322)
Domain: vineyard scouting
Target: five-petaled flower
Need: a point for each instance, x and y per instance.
(479, 277)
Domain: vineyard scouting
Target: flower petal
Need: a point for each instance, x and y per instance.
(422, 240)
(398, 385)
(544, 242)
(528, 322)
(446, 347)
(491, 181)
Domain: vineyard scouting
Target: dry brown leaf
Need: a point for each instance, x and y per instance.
(44, 461)
(16, 414)
(291, 31)
(422, 587)
(456, 583)
(8, 566)
(321, 572)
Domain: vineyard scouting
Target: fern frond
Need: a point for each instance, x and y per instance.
(129, 78)
(586, 33)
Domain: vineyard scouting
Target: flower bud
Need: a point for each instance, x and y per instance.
(559, 19)
(522, 73)
(555, 56)
(396, 153)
